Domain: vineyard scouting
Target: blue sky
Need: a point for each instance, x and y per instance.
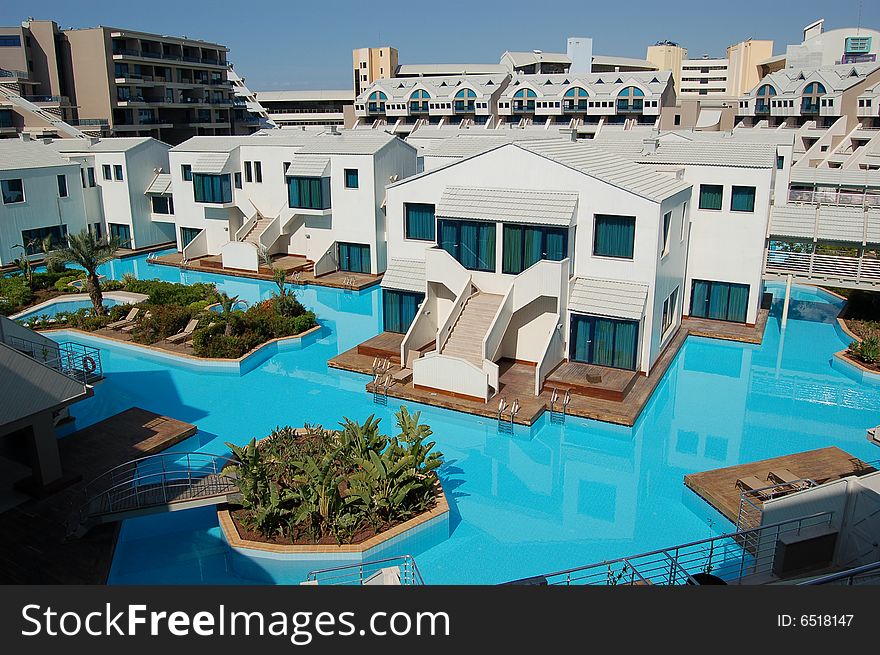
(266, 38)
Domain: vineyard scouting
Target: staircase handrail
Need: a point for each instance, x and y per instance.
(444, 330)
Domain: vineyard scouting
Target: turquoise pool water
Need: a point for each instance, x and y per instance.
(53, 308)
(541, 500)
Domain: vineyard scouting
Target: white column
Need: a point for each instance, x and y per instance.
(787, 300)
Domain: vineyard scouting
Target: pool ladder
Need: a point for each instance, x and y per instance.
(296, 278)
(382, 379)
(557, 417)
(505, 425)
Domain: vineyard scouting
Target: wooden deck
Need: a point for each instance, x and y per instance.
(384, 344)
(294, 265)
(718, 486)
(35, 549)
(593, 381)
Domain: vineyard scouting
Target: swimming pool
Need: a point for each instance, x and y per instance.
(541, 500)
(52, 308)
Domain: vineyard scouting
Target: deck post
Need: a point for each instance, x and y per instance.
(786, 301)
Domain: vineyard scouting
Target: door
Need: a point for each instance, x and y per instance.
(354, 258)
(604, 341)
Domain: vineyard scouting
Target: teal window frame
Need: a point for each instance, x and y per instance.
(117, 173)
(353, 257)
(614, 236)
(308, 192)
(711, 196)
(742, 199)
(419, 221)
(120, 231)
(524, 246)
(603, 341)
(212, 189)
(471, 243)
(351, 178)
(107, 171)
(399, 309)
(186, 172)
(719, 301)
(13, 191)
(187, 234)
(33, 239)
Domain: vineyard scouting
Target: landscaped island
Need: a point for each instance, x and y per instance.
(313, 486)
(862, 318)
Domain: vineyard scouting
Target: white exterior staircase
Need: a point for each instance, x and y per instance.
(253, 235)
(466, 339)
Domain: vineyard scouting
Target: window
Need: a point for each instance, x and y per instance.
(524, 100)
(121, 232)
(418, 101)
(351, 178)
(62, 186)
(248, 172)
(711, 196)
(284, 168)
(237, 179)
(117, 172)
(186, 171)
(677, 119)
(399, 309)
(669, 311)
(187, 234)
(722, 301)
(614, 236)
(465, 99)
(82, 177)
(419, 221)
(33, 239)
(471, 243)
(575, 99)
(780, 162)
(308, 192)
(258, 172)
(10, 41)
(212, 188)
(667, 225)
(163, 205)
(604, 341)
(630, 99)
(525, 245)
(742, 199)
(13, 191)
(107, 172)
(684, 220)
(354, 257)
(90, 176)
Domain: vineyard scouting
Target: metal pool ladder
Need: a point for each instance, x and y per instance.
(505, 425)
(557, 417)
(382, 379)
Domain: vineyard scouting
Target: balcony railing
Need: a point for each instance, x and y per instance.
(149, 54)
(762, 108)
(59, 99)
(573, 107)
(635, 105)
(89, 121)
(846, 198)
(524, 106)
(825, 265)
(75, 360)
(22, 75)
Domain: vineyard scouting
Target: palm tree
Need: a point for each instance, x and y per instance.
(47, 245)
(279, 276)
(88, 252)
(227, 304)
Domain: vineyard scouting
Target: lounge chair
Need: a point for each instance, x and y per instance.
(129, 318)
(760, 487)
(784, 476)
(185, 333)
(131, 326)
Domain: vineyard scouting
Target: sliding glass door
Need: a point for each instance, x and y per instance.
(471, 243)
(723, 301)
(526, 245)
(399, 309)
(354, 258)
(604, 341)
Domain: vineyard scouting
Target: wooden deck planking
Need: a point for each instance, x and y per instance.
(35, 549)
(718, 486)
(590, 380)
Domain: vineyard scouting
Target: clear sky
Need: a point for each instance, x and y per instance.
(307, 44)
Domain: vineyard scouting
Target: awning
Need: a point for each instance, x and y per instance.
(843, 224)
(211, 163)
(309, 166)
(508, 205)
(607, 298)
(405, 275)
(160, 186)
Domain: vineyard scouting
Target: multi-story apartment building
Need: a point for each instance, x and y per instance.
(41, 197)
(849, 45)
(371, 64)
(318, 196)
(310, 108)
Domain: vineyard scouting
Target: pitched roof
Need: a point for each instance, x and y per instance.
(17, 154)
(211, 163)
(309, 166)
(115, 144)
(714, 153)
(405, 275)
(348, 142)
(160, 185)
(607, 297)
(790, 81)
(509, 205)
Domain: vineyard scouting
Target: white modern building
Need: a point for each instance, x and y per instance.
(42, 196)
(538, 252)
(121, 170)
(318, 196)
(850, 45)
(303, 107)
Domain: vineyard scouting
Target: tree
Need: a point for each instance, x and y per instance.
(89, 253)
(227, 304)
(24, 262)
(279, 276)
(47, 245)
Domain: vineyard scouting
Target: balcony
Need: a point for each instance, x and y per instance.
(89, 122)
(462, 107)
(524, 107)
(808, 107)
(628, 107)
(846, 198)
(570, 107)
(762, 108)
(57, 100)
(827, 265)
(150, 54)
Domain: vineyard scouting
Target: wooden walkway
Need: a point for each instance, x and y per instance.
(593, 381)
(35, 549)
(718, 486)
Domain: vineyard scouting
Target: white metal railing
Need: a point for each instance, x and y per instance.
(445, 329)
(196, 248)
(864, 268)
(359, 574)
(865, 574)
(832, 197)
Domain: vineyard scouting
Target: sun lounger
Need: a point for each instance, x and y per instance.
(115, 325)
(185, 333)
(784, 476)
(131, 326)
(760, 487)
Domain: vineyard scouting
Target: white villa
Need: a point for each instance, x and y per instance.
(316, 195)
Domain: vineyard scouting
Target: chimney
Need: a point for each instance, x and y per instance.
(334, 129)
(650, 145)
(25, 136)
(94, 140)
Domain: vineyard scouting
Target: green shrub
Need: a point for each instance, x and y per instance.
(171, 293)
(14, 293)
(162, 322)
(112, 285)
(49, 279)
(63, 283)
(868, 350)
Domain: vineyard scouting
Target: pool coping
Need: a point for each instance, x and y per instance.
(123, 297)
(235, 540)
(859, 369)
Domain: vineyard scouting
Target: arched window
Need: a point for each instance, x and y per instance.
(418, 100)
(464, 100)
(575, 99)
(524, 100)
(810, 98)
(762, 104)
(630, 99)
(376, 102)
